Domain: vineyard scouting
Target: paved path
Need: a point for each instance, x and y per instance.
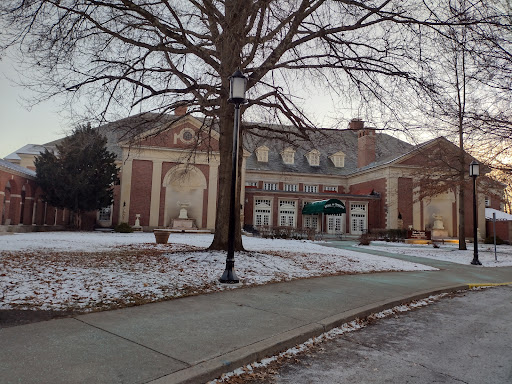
(194, 339)
(462, 340)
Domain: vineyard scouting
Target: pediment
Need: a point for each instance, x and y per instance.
(186, 133)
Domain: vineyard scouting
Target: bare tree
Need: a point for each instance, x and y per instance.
(139, 55)
(455, 58)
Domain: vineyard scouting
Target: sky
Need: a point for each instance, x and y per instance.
(20, 125)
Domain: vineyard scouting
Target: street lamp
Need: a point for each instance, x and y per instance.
(474, 171)
(237, 87)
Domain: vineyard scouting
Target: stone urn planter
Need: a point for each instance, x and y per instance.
(161, 236)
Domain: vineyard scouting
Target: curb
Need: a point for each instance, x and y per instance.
(213, 368)
(471, 286)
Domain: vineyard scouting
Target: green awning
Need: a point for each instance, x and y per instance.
(329, 207)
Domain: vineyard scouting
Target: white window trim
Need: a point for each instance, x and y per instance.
(262, 154)
(288, 155)
(310, 186)
(291, 187)
(313, 157)
(338, 159)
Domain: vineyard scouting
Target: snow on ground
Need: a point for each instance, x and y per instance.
(449, 252)
(95, 271)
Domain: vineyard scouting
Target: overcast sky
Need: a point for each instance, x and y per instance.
(19, 125)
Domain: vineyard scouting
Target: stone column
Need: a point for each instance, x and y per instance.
(34, 212)
(416, 210)
(156, 187)
(126, 186)
(392, 202)
(212, 196)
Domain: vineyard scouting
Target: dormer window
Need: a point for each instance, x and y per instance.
(262, 154)
(313, 158)
(288, 155)
(338, 159)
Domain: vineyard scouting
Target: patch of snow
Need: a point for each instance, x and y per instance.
(95, 270)
(448, 252)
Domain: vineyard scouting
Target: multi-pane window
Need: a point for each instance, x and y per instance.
(354, 207)
(270, 186)
(338, 159)
(358, 223)
(104, 214)
(291, 187)
(287, 213)
(251, 183)
(288, 156)
(310, 221)
(262, 212)
(310, 188)
(358, 219)
(330, 188)
(314, 158)
(334, 223)
(262, 154)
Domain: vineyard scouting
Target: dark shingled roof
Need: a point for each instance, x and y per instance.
(327, 142)
(127, 128)
(17, 168)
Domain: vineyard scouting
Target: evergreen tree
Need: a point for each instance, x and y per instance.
(81, 173)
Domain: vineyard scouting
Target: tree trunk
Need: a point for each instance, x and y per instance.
(220, 240)
(462, 194)
(230, 48)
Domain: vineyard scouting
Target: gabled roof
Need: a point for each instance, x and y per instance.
(28, 149)
(10, 167)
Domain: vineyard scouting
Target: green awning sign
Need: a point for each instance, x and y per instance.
(329, 207)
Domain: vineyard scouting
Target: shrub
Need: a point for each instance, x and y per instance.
(364, 239)
(490, 240)
(123, 228)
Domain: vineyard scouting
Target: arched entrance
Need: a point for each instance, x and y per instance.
(184, 186)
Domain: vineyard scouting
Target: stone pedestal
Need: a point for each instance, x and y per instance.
(137, 227)
(439, 234)
(183, 224)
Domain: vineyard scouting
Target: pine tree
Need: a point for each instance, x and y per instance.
(80, 175)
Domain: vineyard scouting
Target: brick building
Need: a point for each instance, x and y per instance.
(175, 164)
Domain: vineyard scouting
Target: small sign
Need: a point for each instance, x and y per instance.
(418, 235)
(334, 205)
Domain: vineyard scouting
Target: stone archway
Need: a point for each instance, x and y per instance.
(184, 184)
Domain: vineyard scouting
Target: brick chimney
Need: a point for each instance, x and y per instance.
(356, 124)
(365, 145)
(181, 110)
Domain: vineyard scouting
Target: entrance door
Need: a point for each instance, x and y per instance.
(358, 222)
(334, 224)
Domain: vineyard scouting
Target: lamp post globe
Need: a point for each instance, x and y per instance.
(474, 172)
(237, 88)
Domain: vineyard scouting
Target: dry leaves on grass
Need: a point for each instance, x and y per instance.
(127, 275)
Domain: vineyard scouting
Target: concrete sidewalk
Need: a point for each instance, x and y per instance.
(194, 339)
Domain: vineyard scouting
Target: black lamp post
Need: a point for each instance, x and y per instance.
(474, 171)
(237, 87)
